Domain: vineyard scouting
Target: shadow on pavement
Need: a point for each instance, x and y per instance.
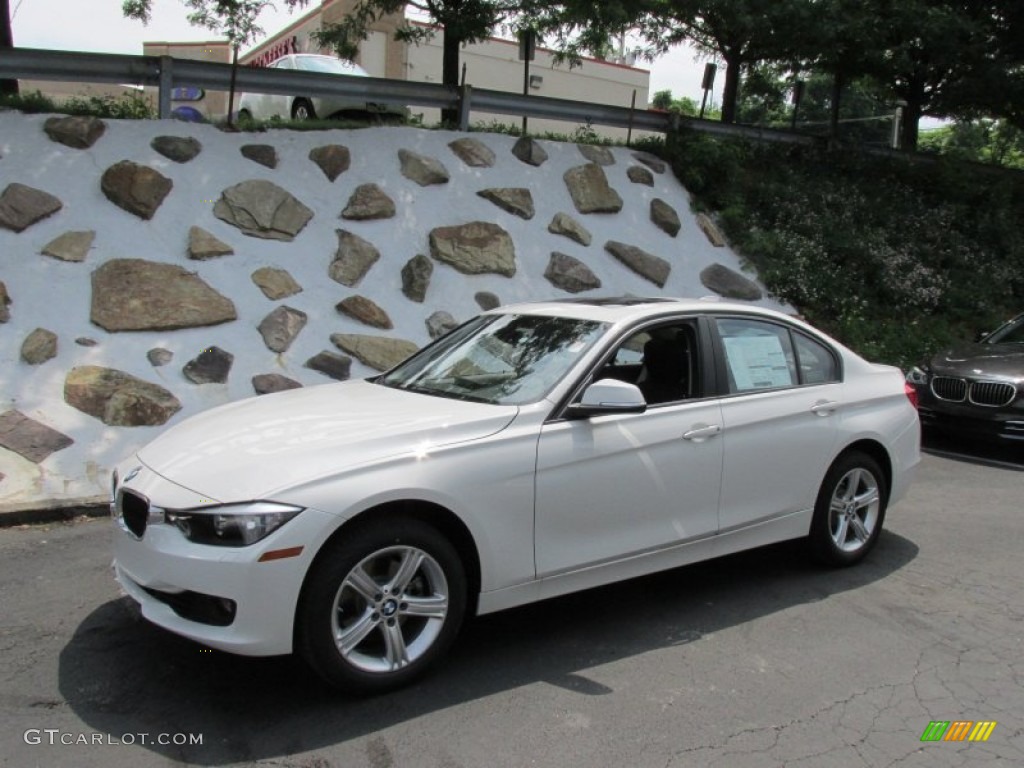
(1003, 455)
(121, 675)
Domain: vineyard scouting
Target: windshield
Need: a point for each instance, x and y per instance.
(498, 359)
(326, 64)
(1011, 333)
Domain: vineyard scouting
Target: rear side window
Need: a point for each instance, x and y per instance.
(758, 355)
(762, 355)
(815, 361)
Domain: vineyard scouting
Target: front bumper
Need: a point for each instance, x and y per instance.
(972, 422)
(222, 597)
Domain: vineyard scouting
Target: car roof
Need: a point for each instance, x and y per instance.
(624, 309)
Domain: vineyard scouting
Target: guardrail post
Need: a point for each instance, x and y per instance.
(465, 97)
(166, 86)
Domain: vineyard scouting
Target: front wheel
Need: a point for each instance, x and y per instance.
(381, 605)
(849, 511)
(302, 109)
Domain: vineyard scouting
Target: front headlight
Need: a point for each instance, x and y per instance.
(231, 525)
(917, 375)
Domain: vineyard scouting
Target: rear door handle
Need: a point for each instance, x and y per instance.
(700, 434)
(824, 408)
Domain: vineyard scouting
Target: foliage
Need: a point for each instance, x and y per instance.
(129, 106)
(997, 142)
(893, 257)
(683, 105)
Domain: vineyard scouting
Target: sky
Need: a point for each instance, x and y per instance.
(99, 25)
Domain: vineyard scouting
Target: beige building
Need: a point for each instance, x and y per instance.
(491, 64)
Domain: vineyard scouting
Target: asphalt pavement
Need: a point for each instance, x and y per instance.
(759, 659)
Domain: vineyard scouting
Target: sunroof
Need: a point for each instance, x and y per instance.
(617, 301)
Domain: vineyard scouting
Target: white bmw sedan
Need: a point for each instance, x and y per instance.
(264, 106)
(536, 450)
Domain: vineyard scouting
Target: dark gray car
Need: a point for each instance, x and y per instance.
(976, 389)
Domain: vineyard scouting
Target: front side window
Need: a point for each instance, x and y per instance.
(499, 359)
(661, 360)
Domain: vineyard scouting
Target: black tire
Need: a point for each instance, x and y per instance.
(302, 109)
(849, 511)
(386, 639)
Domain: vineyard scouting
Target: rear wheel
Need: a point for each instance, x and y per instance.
(849, 511)
(302, 109)
(381, 605)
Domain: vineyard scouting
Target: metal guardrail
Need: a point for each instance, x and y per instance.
(167, 73)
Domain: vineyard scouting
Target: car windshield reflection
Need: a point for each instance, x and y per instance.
(498, 359)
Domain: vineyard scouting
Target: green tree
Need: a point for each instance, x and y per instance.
(937, 53)
(740, 32)
(7, 87)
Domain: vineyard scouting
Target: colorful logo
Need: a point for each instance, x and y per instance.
(958, 730)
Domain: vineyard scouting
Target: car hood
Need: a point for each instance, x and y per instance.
(1001, 361)
(253, 448)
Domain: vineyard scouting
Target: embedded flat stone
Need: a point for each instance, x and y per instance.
(590, 190)
(439, 323)
(416, 276)
(264, 154)
(262, 209)
(353, 258)
(473, 153)
(515, 200)
(486, 300)
(275, 283)
(570, 274)
(369, 201)
(365, 311)
(158, 356)
(476, 248)
(39, 346)
(205, 245)
(269, 383)
(730, 284)
(77, 131)
(5, 302)
(640, 175)
(332, 159)
(211, 366)
(137, 295)
(710, 230)
(378, 352)
(665, 217)
(180, 149)
(529, 151)
(281, 326)
(648, 266)
(596, 154)
(331, 364)
(424, 170)
(71, 246)
(135, 188)
(652, 162)
(566, 225)
(118, 399)
(29, 438)
(22, 206)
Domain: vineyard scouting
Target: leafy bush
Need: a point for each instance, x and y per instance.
(128, 106)
(893, 256)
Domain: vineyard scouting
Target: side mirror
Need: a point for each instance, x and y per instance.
(980, 335)
(608, 396)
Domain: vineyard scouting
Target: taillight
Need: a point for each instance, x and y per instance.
(910, 392)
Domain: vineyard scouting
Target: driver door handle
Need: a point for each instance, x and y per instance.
(700, 434)
(824, 408)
